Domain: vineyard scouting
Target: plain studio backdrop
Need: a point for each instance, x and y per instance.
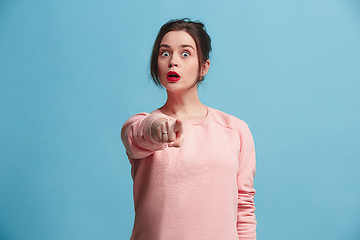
(72, 72)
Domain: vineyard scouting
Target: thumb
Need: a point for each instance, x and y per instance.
(178, 142)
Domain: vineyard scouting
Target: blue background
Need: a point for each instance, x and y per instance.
(73, 71)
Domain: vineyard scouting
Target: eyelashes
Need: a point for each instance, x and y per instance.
(184, 54)
(165, 54)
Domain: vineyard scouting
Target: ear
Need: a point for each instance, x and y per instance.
(205, 68)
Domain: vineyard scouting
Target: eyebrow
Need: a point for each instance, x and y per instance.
(183, 46)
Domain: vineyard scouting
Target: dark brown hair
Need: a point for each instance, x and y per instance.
(197, 31)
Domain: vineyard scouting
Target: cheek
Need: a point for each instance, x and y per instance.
(195, 66)
(162, 70)
(161, 66)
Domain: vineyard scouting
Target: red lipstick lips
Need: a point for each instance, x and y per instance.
(172, 76)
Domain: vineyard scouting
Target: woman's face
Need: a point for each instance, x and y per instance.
(178, 64)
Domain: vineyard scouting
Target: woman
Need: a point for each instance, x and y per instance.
(193, 166)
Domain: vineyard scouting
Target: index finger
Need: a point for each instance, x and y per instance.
(178, 126)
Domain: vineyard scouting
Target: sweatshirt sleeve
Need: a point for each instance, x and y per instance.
(246, 222)
(136, 135)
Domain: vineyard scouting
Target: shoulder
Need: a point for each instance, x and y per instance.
(227, 120)
(144, 117)
(136, 117)
(236, 124)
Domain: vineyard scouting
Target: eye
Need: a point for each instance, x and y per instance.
(165, 53)
(185, 54)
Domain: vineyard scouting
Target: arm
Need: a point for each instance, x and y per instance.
(246, 222)
(136, 136)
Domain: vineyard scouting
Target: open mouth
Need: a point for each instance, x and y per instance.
(172, 76)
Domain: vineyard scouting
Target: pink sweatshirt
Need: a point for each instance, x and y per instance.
(202, 190)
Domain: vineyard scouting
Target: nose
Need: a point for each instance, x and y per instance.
(173, 62)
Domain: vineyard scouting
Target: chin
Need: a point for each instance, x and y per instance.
(179, 88)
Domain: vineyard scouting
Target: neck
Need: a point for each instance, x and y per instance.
(184, 105)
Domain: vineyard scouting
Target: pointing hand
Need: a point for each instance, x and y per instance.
(171, 131)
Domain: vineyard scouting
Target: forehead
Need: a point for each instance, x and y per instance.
(178, 38)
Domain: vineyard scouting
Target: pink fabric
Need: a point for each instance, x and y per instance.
(200, 191)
